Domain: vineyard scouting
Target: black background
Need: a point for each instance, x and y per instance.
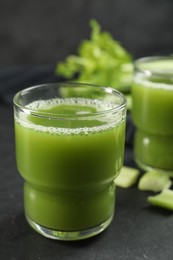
(44, 32)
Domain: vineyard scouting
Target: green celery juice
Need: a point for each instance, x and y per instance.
(68, 164)
(153, 117)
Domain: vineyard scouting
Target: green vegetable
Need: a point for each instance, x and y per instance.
(100, 60)
(127, 177)
(163, 200)
(154, 181)
(129, 101)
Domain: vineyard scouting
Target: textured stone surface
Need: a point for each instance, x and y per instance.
(41, 31)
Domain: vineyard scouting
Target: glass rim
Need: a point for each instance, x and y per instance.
(48, 115)
(158, 71)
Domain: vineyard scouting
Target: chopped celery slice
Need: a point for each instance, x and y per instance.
(127, 177)
(154, 181)
(163, 199)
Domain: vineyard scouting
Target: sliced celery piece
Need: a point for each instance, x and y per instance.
(163, 199)
(154, 181)
(127, 177)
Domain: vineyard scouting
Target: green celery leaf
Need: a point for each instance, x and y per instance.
(100, 60)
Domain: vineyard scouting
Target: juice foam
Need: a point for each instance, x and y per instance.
(103, 113)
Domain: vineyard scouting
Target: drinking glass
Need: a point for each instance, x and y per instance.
(152, 113)
(69, 149)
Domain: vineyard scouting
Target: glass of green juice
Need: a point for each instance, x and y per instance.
(152, 113)
(69, 149)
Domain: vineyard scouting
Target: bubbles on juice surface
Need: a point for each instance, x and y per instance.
(99, 105)
(154, 81)
(83, 107)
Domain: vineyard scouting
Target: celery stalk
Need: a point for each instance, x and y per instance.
(163, 199)
(127, 177)
(99, 60)
(154, 181)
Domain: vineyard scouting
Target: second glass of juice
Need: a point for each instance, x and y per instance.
(69, 149)
(152, 112)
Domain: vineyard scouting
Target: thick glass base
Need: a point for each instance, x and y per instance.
(153, 152)
(147, 167)
(69, 235)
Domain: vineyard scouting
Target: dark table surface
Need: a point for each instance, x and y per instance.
(138, 231)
